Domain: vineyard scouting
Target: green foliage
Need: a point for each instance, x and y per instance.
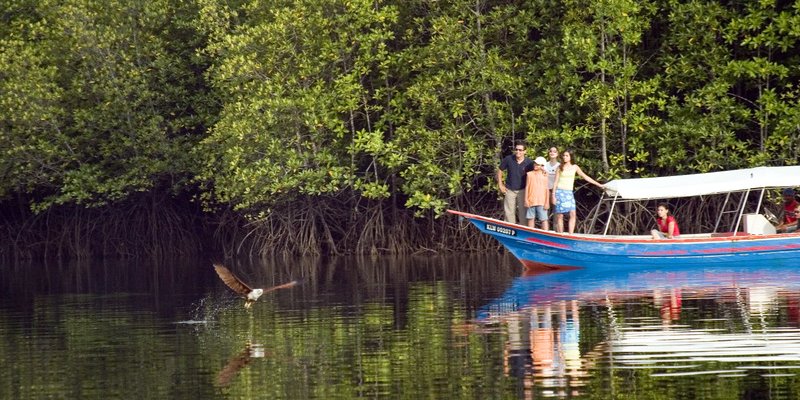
(30, 117)
(452, 105)
(253, 104)
(99, 105)
(299, 118)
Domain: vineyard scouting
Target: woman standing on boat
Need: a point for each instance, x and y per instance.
(563, 195)
(667, 226)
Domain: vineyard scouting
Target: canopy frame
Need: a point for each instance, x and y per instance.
(740, 207)
(702, 184)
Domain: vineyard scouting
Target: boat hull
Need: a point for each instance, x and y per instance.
(538, 249)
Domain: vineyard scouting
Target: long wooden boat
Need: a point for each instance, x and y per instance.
(751, 238)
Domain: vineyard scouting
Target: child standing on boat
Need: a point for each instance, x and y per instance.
(667, 226)
(537, 194)
(563, 197)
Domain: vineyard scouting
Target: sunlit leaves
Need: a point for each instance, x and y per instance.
(452, 106)
(302, 116)
(116, 85)
(32, 143)
(411, 102)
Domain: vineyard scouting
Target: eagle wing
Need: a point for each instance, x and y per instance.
(284, 286)
(231, 280)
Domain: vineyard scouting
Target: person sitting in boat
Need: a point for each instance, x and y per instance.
(789, 219)
(667, 226)
(537, 194)
(789, 228)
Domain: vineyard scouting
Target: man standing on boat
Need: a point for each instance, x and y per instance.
(516, 166)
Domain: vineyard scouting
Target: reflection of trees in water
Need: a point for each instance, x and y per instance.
(474, 277)
(161, 280)
(357, 327)
(362, 328)
(363, 276)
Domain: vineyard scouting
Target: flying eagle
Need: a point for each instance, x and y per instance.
(250, 295)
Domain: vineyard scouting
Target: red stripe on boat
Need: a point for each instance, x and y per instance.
(665, 253)
(548, 243)
(739, 249)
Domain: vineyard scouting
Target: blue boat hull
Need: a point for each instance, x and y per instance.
(536, 248)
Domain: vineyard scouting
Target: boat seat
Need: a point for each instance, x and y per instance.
(757, 224)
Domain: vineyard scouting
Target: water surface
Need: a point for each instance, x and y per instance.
(416, 327)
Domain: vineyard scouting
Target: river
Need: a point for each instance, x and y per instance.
(427, 326)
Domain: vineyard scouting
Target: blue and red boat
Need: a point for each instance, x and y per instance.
(750, 239)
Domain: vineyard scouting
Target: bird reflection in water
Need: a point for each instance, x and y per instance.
(238, 362)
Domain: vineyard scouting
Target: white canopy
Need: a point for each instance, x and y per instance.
(667, 187)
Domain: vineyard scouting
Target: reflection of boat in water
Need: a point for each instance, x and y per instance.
(750, 238)
(686, 349)
(584, 284)
(663, 323)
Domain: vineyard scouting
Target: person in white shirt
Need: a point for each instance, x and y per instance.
(551, 167)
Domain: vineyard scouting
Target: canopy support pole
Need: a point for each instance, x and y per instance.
(760, 200)
(610, 213)
(722, 211)
(742, 205)
(596, 212)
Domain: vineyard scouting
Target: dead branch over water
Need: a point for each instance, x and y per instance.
(163, 226)
(147, 226)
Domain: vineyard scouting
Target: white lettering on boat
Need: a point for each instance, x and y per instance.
(501, 229)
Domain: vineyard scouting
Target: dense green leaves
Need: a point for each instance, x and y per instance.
(255, 104)
(300, 116)
(96, 102)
